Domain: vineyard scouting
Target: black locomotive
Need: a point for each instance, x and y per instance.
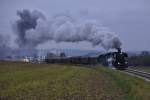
(119, 60)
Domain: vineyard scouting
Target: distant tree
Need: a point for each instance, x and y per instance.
(62, 54)
(144, 53)
(139, 60)
(50, 55)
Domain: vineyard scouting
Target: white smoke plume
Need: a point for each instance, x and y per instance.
(3, 41)
(27, 21)
(4, 45)
(64, 28)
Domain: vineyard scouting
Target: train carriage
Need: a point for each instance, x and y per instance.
(119, 59)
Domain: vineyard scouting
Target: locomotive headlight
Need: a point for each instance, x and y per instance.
(118, 63)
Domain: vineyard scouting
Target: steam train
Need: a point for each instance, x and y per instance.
(119, 59)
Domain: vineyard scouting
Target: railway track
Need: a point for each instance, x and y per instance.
(138, 73)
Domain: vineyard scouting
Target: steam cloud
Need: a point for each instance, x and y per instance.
(27, 21)
(33, 29)
(3, 41)
(4, 45)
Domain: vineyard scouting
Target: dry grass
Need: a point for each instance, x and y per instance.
(23, 81)
(134, 88)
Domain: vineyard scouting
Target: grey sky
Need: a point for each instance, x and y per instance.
(130, 19)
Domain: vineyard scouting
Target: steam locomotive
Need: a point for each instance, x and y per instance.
(119, 59)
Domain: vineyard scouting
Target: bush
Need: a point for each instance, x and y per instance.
(139, 60)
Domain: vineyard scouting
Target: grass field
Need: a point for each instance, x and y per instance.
(23, 81)
(134, 88)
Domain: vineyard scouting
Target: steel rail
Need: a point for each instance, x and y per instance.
(145, 75)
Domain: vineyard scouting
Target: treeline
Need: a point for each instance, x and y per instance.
(143, 60)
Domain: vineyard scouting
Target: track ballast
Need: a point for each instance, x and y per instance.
(142, 74)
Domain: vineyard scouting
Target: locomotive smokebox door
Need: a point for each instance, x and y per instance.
(120, 59)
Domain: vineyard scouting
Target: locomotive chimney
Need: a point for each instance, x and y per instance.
(119, 50)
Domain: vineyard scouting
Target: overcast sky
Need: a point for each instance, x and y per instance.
(130, 19)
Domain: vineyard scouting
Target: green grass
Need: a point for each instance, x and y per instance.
(24, 81)
(134, 88)
(55, 82)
